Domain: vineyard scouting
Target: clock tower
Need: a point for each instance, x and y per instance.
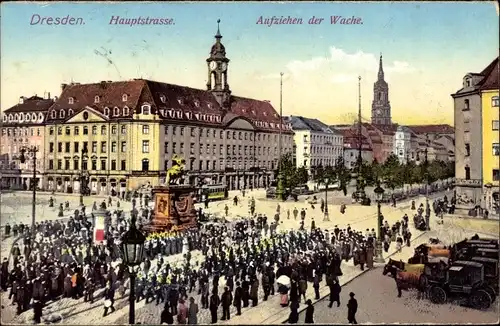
(381, 107)
(217, 65)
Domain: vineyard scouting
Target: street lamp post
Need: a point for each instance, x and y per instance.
(360, 191)
(32, 151)
(83, 176)
(326, 217)
(280, 186)
(379, 192)
(427, 206)
(133, 250)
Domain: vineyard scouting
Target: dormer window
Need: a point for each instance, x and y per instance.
(146, 109)
(209, 105)
(40, 117)
(189, 115)
(70, 112)
(11, 118)
(244, 110)
(96, 99)
(124, 98)
(53, 114)
(181, 101)
(163, 98)
(125, 111)
(71, 100)
(4, 118)
(466, 105)
(116, 111)
(62, 114)
(33, 117)
(467, 82)
(171, 113)
(265, 114)
(16, 117)
(253, 112)
(106, 111)
(197, 103)
(21, 117)
(179, 114)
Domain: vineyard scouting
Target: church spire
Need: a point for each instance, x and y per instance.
(218, 36)
(380, 69)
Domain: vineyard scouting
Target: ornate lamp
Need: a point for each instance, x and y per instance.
(379, 193)
(133, 250)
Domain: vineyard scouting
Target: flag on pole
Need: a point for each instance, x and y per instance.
(99, 229)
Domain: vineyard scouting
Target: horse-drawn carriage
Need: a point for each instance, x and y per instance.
(430, 253)
(463, 279)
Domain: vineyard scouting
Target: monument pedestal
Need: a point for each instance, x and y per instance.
(173, 209)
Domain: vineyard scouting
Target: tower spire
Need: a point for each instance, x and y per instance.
(380, 69)
(218, 36)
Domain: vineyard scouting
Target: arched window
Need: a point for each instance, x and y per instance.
(116, 111)
(40, 116)
(495, 101)
(71, 100)
(145, 164)
(125, 111)
(33, 117)
(53, 114)
(62, 114)
(70, 112)
(16, 117)
(466, 105)
(124, 97)
(106, 111)
(96, 99)
(146, 109)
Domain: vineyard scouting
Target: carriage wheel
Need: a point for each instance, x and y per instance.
(480, 299)
(491, 292)
(437, 295)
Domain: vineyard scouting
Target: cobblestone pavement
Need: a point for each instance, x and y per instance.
(77, 312)
(378, 302)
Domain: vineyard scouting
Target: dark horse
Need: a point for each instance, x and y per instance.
(393, 266)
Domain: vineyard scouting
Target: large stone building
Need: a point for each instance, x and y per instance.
(316, 144)
(23, 126)
(477, 138)
(129, 131)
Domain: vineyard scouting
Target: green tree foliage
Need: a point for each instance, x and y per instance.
(301, 175)
(342, 174)
(391, 172)
(292, 177)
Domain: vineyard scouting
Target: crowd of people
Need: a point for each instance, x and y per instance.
(238, 262)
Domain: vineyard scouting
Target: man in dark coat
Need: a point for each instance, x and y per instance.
(352, 308)
(309, 313)
(245, 292)
(109, 294)
(214, 305)
(226, 300)
(335, 290)
(238, 293)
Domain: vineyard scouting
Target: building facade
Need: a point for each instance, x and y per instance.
(23, 127)
(381, 106)
(477, 149)
(351, 148)
(402, 144)
(129, 131)
(316, 144)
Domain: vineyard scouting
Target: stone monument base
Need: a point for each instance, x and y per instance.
(173, 209)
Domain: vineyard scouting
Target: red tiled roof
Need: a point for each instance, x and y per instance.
(432, 129)
(31, 104)
(351, 139)
(195, 104)
(491, 76)
(387, 129)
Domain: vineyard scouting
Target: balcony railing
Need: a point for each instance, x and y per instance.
(468, 182)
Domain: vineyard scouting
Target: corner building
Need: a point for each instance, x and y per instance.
(129, 131)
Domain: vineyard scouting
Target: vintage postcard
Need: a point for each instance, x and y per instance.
(249, 163)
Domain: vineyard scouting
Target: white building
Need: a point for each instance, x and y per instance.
(402, 144)
(316, 144)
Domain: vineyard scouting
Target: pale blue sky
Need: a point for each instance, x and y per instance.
(437, 42)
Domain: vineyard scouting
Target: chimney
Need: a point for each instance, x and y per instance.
(63, 87)
(103, 84)
(21, 99)
(48, 95)
(110, 81)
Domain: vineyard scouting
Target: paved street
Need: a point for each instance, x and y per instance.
(378, 302)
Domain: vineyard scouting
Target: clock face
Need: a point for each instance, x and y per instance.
(379, 112)
(224, 66)
(213, 65)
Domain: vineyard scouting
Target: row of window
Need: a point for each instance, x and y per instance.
(84, 165)
(207, 149)
(23, 117)
(85, 130)
(322, 138)
(66, 147)
(319, 150)
(20, 132)
(495, 102)
(230, 134)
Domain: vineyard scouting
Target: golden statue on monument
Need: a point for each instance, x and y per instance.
(175, 173)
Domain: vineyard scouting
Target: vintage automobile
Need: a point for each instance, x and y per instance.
(491, 271)
(463, 279)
